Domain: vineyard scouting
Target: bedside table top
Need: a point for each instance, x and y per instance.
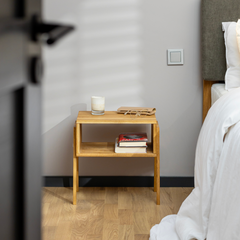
(112, 117)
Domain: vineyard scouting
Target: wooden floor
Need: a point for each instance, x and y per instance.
(106, 213)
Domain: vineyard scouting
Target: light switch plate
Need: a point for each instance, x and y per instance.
(175, 56)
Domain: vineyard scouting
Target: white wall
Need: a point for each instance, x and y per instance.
(119, 51)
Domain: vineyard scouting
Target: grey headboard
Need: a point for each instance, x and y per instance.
(213, 13)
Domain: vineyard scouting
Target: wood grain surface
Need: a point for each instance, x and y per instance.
(112, 117)
(106, 213)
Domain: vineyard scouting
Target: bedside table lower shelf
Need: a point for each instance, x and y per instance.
(106, 149)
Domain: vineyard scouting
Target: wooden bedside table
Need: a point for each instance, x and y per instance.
(107, 149)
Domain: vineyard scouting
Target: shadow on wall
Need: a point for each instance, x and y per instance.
(110, 52)
(57, 145)
(102, 57)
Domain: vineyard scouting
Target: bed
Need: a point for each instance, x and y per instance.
(212, 210)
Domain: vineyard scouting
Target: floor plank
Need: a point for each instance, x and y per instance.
(141, 237)
(126, 232)
(110, 229)
(141, 224)
(125, 216)
(110, 211)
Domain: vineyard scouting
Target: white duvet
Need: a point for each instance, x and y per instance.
(212, 210)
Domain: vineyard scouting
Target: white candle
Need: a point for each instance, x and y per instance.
(97, 105)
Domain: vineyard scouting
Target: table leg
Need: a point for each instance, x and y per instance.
(77, 175)
(158, 180)
(155, 174)
(156, 161)
(75, 165)
(158, 165)
(153, 141)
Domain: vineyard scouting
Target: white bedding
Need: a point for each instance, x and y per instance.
(224, 219)
(212, 209)
(217, 91)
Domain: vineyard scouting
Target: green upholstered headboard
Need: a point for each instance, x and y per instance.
(213, 13)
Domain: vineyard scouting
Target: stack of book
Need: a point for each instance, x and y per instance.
(131, 143)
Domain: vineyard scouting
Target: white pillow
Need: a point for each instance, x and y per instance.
(238, 34)
(232, 76)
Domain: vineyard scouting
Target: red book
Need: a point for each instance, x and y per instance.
(132, 140)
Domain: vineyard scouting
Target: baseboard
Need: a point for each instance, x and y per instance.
(117, 181)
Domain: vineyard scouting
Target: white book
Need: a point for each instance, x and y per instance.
(129, 149)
